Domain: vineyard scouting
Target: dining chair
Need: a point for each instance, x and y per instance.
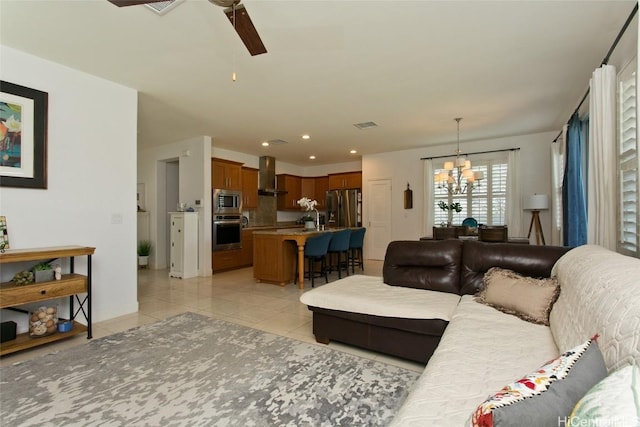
(442, 233)
(315, 251)
(493, 233)
(356, 243)
(338, 247)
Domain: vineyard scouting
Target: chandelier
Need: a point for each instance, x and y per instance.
(457, 176)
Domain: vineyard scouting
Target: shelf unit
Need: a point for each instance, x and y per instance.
(70, 285)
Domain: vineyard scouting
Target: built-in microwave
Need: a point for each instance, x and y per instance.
(227, 201)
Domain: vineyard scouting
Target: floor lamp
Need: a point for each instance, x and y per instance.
(535, 204)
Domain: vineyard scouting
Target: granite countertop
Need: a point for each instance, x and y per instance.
(277, 226)
(290, 231)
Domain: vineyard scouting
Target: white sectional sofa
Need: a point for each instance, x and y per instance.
(484, 349)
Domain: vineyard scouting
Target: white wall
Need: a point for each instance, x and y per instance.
(403, 167)
(194, 157)
(91, 195)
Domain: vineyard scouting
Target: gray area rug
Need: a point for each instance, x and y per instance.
(191, 370)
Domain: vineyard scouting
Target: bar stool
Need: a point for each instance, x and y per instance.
(315, 250)
(340, 245)
(356, 242)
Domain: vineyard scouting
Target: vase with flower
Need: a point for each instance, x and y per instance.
(309, 206)
(450, 208)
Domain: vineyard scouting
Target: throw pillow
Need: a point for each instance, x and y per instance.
(526, 297)
(547, 396)
(611, 402)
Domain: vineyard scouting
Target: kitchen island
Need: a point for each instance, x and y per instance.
(275, 253)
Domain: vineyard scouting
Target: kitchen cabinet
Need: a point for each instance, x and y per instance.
(315, 188)
(339, 181)
(308, 187)
(184, 244)
(321, 187)
(71, 285)
(249, 188)
(226, 260)
(292, 184)
(246, 256)
(226, 174)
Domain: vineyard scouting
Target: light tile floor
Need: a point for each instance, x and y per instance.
(233, 296)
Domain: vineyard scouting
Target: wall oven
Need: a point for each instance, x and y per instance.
(226, 232)
(227, 202)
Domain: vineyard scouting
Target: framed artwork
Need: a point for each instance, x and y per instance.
(4, 234)
(23, 136)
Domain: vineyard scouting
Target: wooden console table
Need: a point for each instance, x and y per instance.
(70, 285)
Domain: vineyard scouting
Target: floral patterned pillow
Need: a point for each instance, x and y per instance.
(546, 396)
(614, 401)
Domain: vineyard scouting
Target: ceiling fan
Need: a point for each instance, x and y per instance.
(237, 14)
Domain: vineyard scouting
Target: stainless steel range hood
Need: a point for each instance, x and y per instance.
(267, 177)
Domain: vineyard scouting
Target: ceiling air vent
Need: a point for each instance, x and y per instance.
(365, 125)
(277, 142)
(163, 7)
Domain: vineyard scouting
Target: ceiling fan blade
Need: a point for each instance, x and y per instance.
(121, 3)
(245, 29)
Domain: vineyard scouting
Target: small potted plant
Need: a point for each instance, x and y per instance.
(144, 249)
(43, 272)
(309, 205)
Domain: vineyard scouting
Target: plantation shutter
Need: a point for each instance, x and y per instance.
(628, 207)
(487, 203)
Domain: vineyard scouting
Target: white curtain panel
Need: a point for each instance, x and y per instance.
(514, 195)
(602, 175)
(557, 175)
(427, 223)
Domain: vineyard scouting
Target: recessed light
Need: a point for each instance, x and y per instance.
(305, 136)
(265, 144)
(353, 151)
(312, 157)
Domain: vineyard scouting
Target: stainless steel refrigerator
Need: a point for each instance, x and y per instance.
(344, 208)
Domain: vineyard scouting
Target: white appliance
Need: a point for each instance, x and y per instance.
(184, 244)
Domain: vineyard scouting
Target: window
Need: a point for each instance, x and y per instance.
(487, 203)
(628, 162)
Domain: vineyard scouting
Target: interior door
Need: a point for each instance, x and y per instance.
(379, 218)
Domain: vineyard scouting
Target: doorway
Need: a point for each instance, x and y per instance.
(379, 218)
(172, 181)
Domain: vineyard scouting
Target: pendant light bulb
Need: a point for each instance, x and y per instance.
(233, 76)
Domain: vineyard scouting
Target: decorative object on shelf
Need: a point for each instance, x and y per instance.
(144, 249)
(535, 204)
(463, 178)
(43, 272)
(23, 278)
(408, 198)
(450, 208)
(57, 272)
(23, 106)
(43, 321)
(310, 205)
(65, 325)
(4, 234)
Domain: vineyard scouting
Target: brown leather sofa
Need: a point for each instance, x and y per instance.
(453, 266)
